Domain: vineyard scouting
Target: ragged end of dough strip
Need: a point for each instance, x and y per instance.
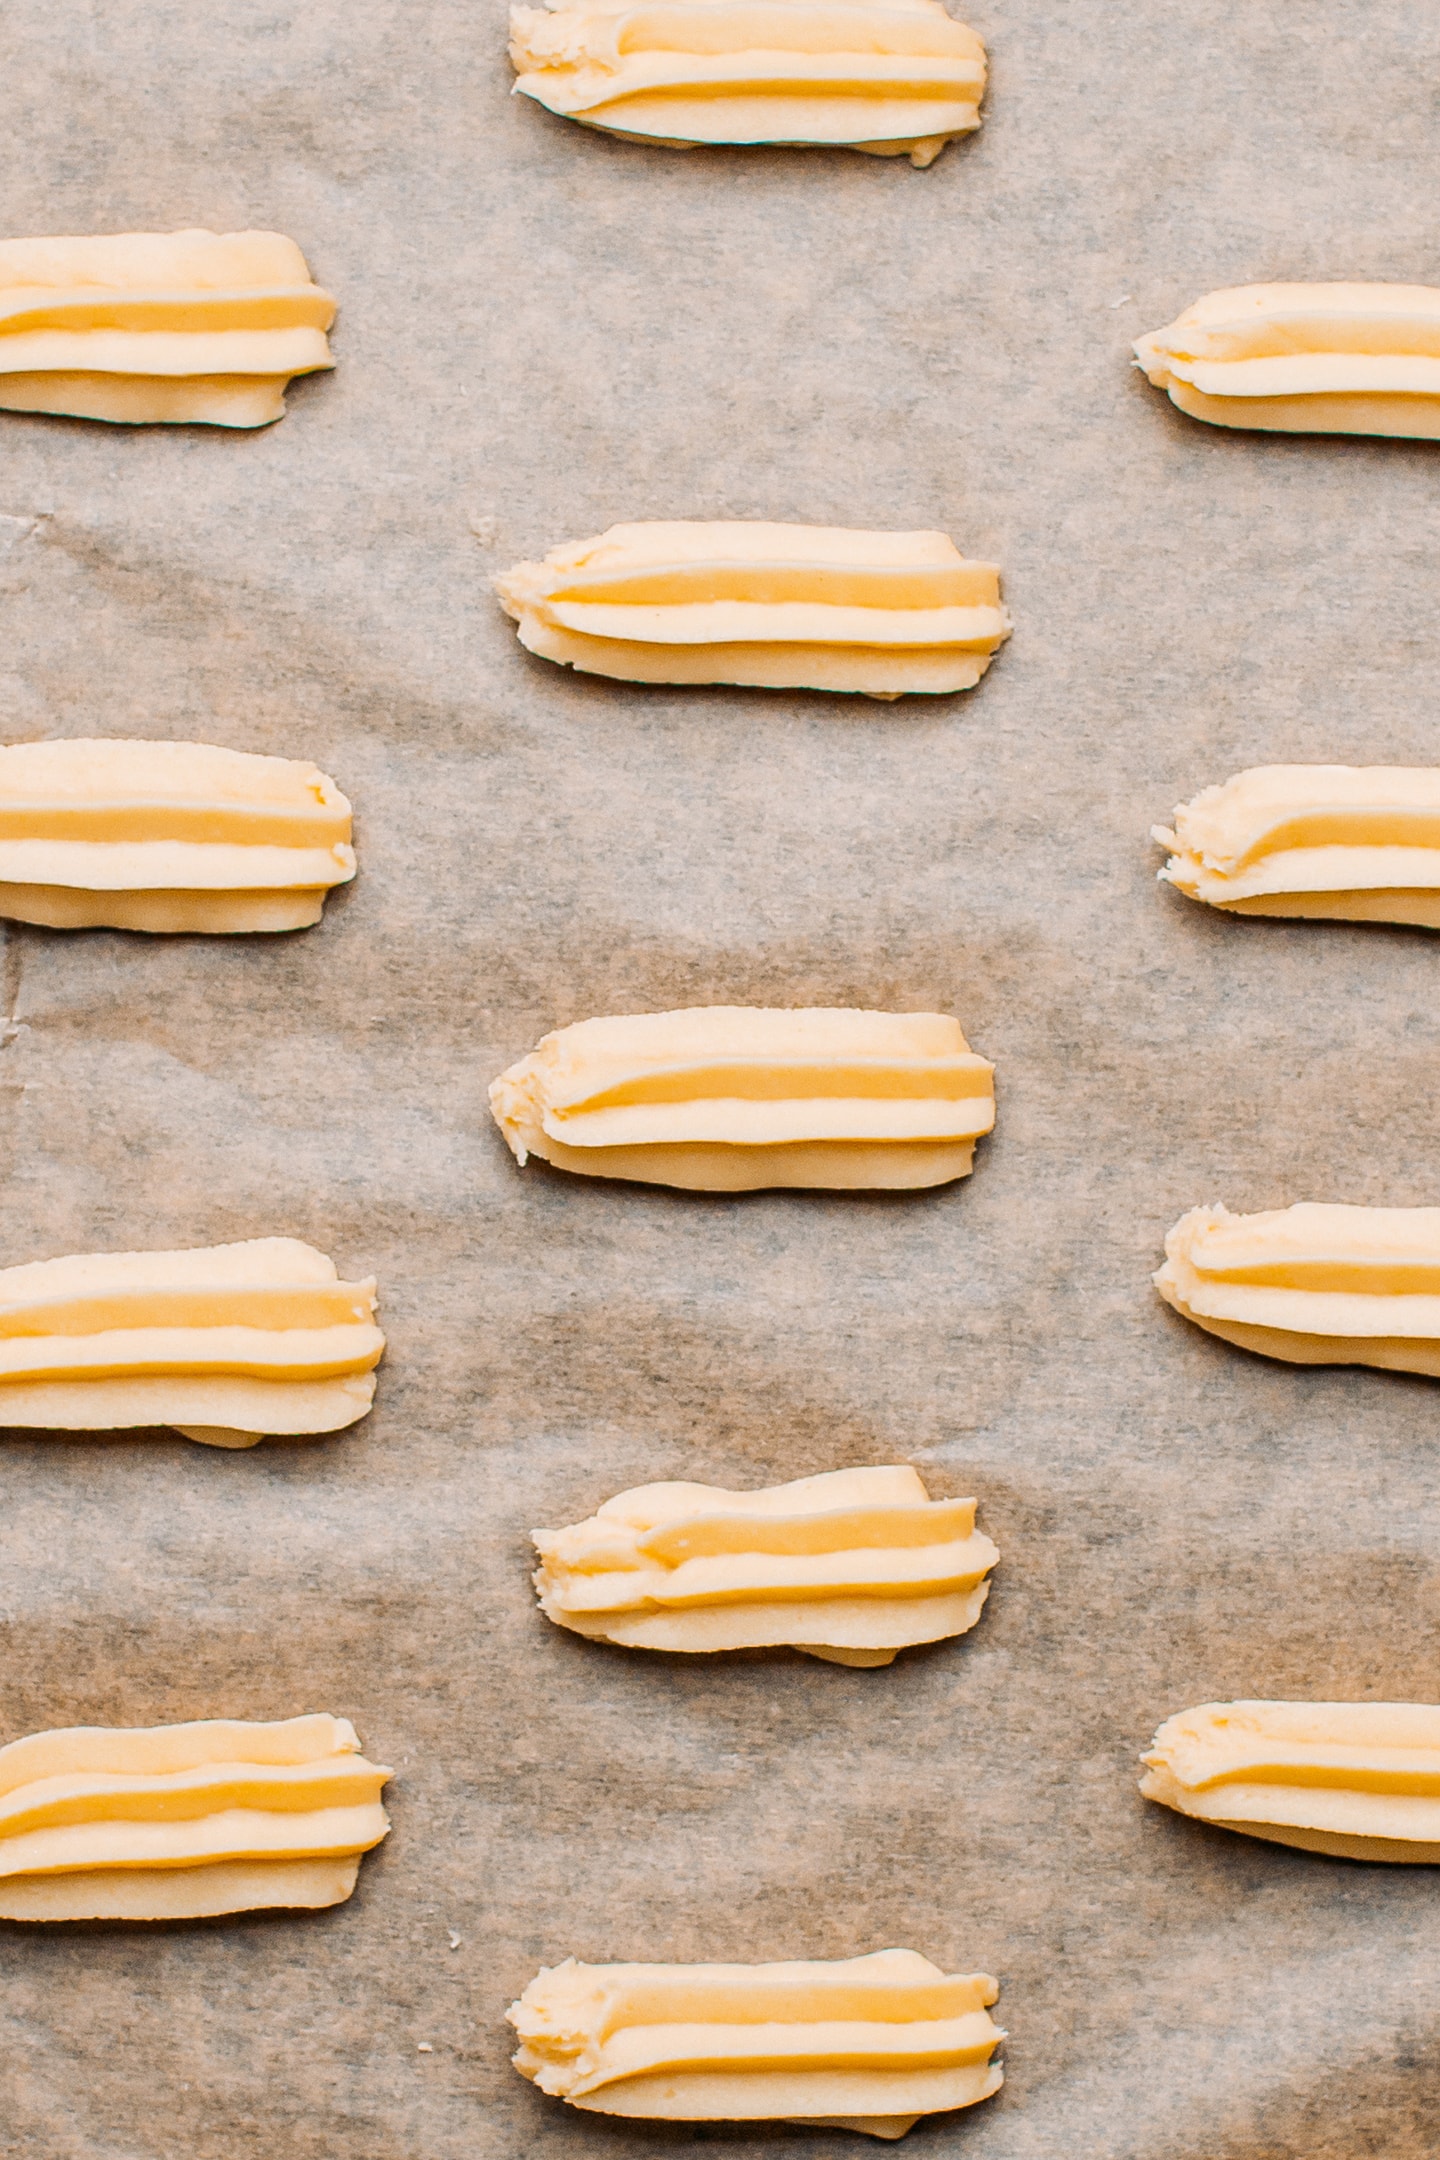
(1360, 1781)
(227, 1343)
(815, 607)
(865, 2043)
(177, 1822)
(1338, 843)
(732, 1098)
(1305, 359)
(895, 78)
(851, 1566)
(167, 836)
(1313, 1284)
(153, 327)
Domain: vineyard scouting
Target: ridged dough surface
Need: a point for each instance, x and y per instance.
(850, 1566)
(1334, 842)
(167, 836)
(818, 607)
(154, 327)
(732, 1098)
(225, 1342)
(864, 2043)
(175, 1821)
(1313, 1284)
(892, 77)
(1341, 359)
(1360, 1781)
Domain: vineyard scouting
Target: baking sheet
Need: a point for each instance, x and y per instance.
(550, 331)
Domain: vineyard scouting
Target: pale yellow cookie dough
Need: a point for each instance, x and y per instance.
(167, 836)
(1357, 1780)
(816, 607)
(1324, 359)
(730, 1098)
(227, 1343)
(850, 1566)
(169, 1822)
(1313, 1284)
(896, 78)
(145, 327)
(864, 2043)
(1339, 843)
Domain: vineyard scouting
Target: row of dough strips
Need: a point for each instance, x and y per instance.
(181, 837)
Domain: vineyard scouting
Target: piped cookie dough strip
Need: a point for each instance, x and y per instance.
(1335, 843)
(229, 1344)
(177, 1822)
(851, 1566)
(818, 607)
(733, 1098)
(894, 78)
(167, 837)
(159, 327)
(1314, 1284)
(1341, 359)
(863, 2043)
(1359, 1781)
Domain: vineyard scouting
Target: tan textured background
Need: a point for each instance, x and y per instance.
(557, 331)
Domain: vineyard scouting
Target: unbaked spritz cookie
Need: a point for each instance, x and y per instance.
(863, 2043)
(167, 836)
(777, 607)
(229, 1344)
(897, 78)
(732, 1098)
(1359, 1780)
(1313, 1284)
(851, 1566)
(177, 1822)
(1321, 359)
(1337, 843)
(144, 327)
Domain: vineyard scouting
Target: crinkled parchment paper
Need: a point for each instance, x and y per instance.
(542, 331)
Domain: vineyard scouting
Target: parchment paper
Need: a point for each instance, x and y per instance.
(549, 330)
